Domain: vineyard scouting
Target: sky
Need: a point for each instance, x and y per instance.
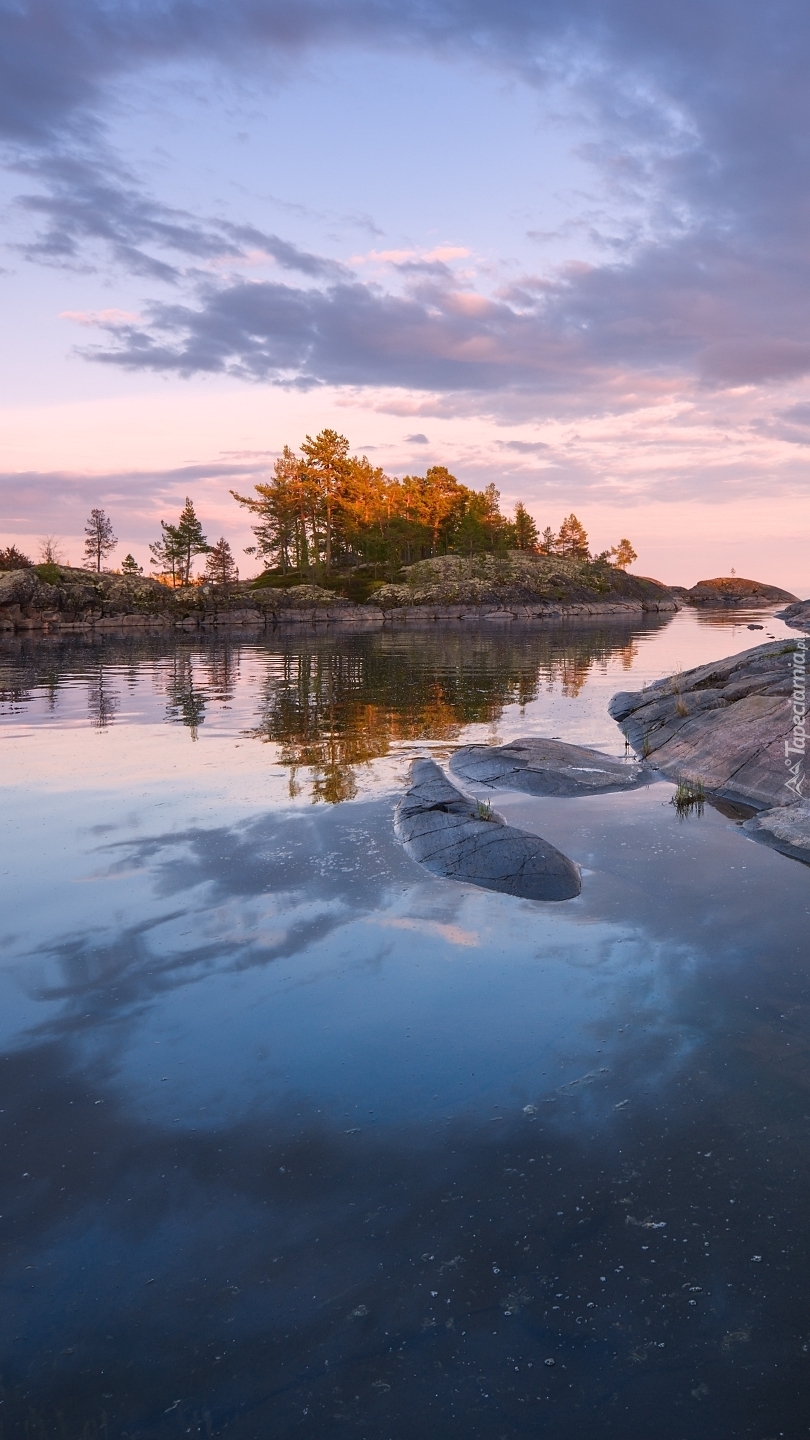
(558, 246)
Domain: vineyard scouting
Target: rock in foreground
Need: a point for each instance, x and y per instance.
(548, 767)
(444, 831)
(725, 724)
(785, 828)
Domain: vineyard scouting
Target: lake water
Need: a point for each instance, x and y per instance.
(299, 1140)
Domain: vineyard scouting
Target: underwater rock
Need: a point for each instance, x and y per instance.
(548, 767)
(452, 836)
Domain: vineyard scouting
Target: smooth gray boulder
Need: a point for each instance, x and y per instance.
(445, 831)
(548, 767)
(726, 724)
(785, 828)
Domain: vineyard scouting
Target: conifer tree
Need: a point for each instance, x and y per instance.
(526, 537)
(220, 566)
(548, 541)
(572, 540)
(130, 566)
(624, 553)
(100, 540)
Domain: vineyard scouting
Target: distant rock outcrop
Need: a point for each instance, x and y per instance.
(454, 837)
(548, 767)
(733, 590)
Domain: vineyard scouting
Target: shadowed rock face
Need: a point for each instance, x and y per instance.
(548, 767)
(725, 724)
(444, 831)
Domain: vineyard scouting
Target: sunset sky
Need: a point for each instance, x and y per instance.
(561, 246)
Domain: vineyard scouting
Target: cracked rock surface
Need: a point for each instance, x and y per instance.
(548, 767)
(725, 724)
(444, 831)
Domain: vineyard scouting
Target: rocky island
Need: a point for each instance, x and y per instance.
(47, 598)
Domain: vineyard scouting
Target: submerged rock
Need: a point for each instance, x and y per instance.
(448, 834)
(548, 767)
(785, 828)
(725, 724)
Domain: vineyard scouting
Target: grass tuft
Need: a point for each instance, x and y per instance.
(689, 795)
(485, 810)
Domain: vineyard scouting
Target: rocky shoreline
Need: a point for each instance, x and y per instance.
(64, 601)
(735, 729)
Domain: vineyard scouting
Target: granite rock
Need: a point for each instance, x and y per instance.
(725, 724)
(548, 767)
(784, 827)
(446, 832)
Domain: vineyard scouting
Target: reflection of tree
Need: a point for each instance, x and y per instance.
(335, 703)
(102, 700)
(186, 700)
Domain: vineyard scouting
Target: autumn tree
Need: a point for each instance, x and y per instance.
(100, 540)
(525, 530)
(220, 566)
(327, 465)
(624, 554)
(130, 566)
(572, 540)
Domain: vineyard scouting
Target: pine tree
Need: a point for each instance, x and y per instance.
(572, 540)
(624, 553)
(327, 464)
(100, 540)
(526, 537)
(548, 541)
(220, 566)
(191, 539)
(130, 566)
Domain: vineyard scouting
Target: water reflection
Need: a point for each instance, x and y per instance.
(331, 702)
(300, 1140)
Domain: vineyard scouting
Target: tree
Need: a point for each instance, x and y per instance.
(130, 566)
(13, 559)
(100, 540)
(572, 540)
(50, 550)
(624, 553)
(167, 553)
(220, 566)
(191, 540)
(174, 552)
(548, 541)
(526, 537)
(326, 460)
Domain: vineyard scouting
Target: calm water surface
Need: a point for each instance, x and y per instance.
(299, 1140)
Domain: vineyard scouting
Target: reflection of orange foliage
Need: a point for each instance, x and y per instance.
(332, 708)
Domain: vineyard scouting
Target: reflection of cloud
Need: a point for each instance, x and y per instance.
(453, 934)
